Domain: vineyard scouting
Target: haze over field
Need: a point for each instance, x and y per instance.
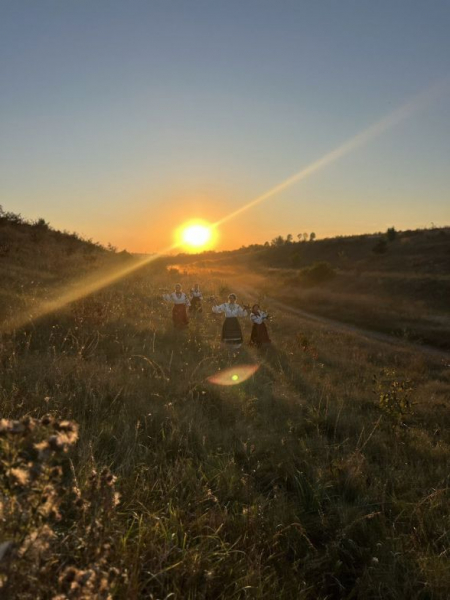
(123, 120)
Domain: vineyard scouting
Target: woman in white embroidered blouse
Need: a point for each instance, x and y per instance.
(259, 335)
(231, 330)
(180, 302)
(196, 300)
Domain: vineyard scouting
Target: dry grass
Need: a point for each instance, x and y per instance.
(301, 482)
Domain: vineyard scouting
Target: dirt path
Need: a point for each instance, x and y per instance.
(346, 327)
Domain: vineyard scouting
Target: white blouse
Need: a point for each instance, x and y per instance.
(230, 310)
(196, 294)
(177, 299)
(258, 319)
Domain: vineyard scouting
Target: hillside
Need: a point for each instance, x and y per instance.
(127, 473)
(35, 259)
(399, 286)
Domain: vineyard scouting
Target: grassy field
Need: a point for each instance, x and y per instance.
(403, 290)
(124, 473)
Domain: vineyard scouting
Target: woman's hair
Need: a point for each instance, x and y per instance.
(178, 285)
(255, 306)
(232, 296)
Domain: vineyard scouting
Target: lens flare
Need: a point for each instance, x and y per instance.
(234, 375)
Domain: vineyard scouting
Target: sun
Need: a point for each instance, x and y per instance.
(196, 235)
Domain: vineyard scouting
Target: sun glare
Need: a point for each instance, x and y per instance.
(196, 235)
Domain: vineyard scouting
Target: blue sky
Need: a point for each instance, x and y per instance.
(122, 119)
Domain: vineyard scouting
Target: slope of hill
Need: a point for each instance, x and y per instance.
(322, 475)
(35, 258)
(399, 286)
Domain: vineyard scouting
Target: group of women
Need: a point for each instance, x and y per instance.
(231, 329)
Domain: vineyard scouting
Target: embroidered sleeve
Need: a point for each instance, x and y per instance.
(167, 297)
(242, 312)
(187, 301)
(258, 319)
(218, 309)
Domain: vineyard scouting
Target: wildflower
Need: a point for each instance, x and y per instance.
(63, 440)
(10, 426)
(37, 542)
(43, 449)
(67, 426)
(68, 575)
(21, 476)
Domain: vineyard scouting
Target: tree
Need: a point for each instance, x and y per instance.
(289, 238)
(41, 224)
(312, 236)
(305, 237)
(278, 241)
(391, 234)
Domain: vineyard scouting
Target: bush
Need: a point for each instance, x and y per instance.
(56, 534)
(380, 247)
(295, 260)
(319, 272)
(391, 234)
(41, 224)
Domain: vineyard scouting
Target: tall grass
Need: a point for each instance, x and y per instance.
(298, 483)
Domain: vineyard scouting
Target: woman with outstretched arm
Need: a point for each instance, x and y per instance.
(231, 330)
(180, 302)
(259, 336)
(196, 300)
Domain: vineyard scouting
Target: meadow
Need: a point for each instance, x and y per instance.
(125, 474)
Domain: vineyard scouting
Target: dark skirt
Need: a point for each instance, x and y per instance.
(179, 316)
(231, 331)
(259, 335)
(196, 305)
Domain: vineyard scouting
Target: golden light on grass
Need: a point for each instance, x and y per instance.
(196, 236)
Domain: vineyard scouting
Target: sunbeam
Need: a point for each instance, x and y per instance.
(80, 289)
(93, 283)
(403, 112)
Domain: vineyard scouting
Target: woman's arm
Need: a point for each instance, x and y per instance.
(258, 319)
(242, 312)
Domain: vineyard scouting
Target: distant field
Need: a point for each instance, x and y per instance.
(403, 291)
(324, 475)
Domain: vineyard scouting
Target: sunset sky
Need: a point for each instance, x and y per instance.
(122, 119)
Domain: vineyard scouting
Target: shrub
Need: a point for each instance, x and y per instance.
(391, 234)
(41, 224)
(319, 272)
(394, 397)
(380, 247)
(57, 535)
(296, 260)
